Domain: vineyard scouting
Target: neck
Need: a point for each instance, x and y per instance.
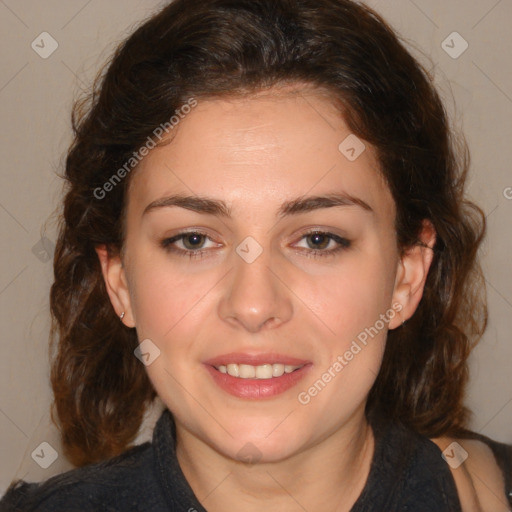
(342, 459)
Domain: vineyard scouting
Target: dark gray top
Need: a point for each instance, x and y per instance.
(407, 474)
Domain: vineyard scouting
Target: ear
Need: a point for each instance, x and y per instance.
(412, 274)
(116, 283)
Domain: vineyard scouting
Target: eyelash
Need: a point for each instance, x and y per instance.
(343, 244)
(167, 244)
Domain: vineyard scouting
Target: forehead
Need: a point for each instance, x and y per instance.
(260, 150)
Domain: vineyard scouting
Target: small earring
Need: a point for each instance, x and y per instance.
(121, 316)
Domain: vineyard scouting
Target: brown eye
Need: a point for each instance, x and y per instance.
(193, 241)
(318, 240)
(191, 244)
(319, 243)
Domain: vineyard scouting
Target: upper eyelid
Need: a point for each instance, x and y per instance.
(310, 231)
(183, 234)
(179, 236)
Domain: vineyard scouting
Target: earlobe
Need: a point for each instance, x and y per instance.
(116, 284)
(412, 273)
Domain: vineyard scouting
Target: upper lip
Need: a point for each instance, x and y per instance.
(255, 359)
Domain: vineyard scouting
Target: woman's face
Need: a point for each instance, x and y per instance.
(250, 283)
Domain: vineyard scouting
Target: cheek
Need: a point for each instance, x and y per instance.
(354, 304)
(164, 298)
(352, 297)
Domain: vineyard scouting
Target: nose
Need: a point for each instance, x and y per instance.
(255, 295)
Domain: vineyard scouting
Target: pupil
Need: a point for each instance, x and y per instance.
(193, 240)
(319, 240)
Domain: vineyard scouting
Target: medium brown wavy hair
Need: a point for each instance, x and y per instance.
(213, 48)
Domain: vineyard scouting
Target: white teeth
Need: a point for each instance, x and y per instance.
(246, 371)
(264, 371)
(233, 370)
(277, 370)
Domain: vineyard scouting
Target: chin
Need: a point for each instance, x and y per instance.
(261, 444)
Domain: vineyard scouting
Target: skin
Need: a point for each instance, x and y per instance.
(479, 480)
(255, 153)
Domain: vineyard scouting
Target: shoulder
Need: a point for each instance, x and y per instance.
(479, 480)
(101, 486)
(408, 472)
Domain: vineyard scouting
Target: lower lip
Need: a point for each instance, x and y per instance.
(257, 388)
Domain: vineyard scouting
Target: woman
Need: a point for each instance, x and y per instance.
(266, 228)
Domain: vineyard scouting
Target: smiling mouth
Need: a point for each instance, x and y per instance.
(264, 371)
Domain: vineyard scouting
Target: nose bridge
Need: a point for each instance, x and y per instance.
(254, 297)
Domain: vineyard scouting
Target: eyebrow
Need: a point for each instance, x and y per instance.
(219, 208)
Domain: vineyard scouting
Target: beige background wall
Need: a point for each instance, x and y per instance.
(35, 98)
